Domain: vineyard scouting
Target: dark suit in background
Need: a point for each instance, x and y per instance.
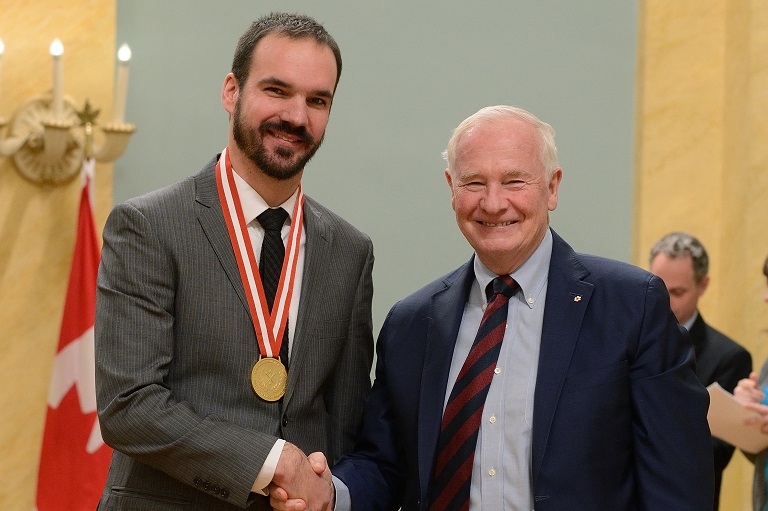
(722, 360)
(682, 262)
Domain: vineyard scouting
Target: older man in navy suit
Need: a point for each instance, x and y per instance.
(588, 396)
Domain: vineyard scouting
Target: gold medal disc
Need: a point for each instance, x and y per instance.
(269, 379)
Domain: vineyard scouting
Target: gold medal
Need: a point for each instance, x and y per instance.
(269, 378)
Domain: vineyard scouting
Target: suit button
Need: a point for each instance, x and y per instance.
(224, 493)
(207, 486)
(285, 420)
(216, 489)
(198, 482)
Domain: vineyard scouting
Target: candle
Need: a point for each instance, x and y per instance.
(121, 84)
(58, 95)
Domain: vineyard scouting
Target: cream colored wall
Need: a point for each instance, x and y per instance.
(702, 161)
(37, 225)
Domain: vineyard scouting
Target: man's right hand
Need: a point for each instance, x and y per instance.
(295, 489)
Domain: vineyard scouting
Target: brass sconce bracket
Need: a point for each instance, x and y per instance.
(50, 151)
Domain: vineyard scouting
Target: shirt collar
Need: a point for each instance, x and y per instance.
(253, 204)
(531, 276)
(689, 324)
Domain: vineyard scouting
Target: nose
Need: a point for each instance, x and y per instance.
(493, 201)
(295, 111)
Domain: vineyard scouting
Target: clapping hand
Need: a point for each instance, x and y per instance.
(748, 393)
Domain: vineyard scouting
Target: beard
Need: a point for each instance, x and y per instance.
(283, 163)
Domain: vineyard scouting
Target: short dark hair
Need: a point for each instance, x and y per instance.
(294, 26)
(679, 244)
(765, 267)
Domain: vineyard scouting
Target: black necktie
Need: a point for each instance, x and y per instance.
(271, 262)
(461, 419)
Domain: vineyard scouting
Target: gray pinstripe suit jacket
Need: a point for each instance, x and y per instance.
(175, 345)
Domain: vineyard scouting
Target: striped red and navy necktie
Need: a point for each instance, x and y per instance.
(461, 419)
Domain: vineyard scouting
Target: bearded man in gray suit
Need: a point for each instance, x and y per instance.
(192, 389)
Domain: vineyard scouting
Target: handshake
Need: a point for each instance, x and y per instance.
(301, 483)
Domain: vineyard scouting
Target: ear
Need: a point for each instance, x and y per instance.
(449, 178)
(703, 285)
(554, 186)
(229, 92)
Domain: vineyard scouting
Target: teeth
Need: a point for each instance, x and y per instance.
(281, 137)
(503, 224)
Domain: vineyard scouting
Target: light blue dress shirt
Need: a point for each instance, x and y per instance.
(501, 475)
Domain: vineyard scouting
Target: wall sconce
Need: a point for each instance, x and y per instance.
(47, 142)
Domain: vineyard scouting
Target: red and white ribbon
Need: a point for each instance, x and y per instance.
(269, 328)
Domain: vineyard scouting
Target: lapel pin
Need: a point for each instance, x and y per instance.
(577, 298)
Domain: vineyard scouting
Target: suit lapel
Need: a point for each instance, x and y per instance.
(443, 321)
(319, 235)
(567, 300)
(697, 333)
(211, 220)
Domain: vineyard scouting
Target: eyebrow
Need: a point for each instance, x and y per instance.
(323, 93)
(472, 174)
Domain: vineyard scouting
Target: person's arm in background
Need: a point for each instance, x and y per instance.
(737, 366)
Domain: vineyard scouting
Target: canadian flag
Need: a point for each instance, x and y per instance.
(74, 459)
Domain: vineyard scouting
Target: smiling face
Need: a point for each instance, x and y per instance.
(500, 192)
(280, 113)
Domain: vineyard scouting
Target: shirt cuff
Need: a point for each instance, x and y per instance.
(343, 500)
(268, 469)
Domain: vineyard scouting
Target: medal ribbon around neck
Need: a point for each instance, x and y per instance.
(269, 328)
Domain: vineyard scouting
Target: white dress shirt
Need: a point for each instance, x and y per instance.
(253, 205)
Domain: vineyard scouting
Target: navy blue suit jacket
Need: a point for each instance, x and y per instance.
(619, 418)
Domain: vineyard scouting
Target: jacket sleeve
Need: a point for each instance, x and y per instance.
(346, 394)
(374, 473)
(139, 411)
(673, 453)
